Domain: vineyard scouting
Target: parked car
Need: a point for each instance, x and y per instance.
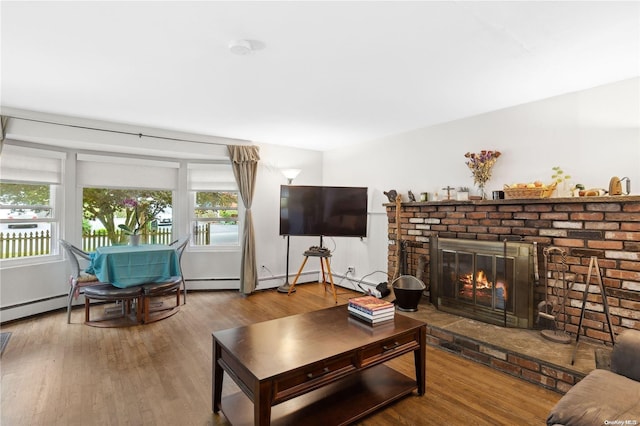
(21, 216)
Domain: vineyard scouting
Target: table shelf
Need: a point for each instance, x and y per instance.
(339, 403)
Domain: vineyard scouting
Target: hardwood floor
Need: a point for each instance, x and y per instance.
(160, 374)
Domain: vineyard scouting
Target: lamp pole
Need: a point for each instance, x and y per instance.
(290, 174)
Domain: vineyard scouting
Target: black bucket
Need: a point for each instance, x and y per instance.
(408, 290)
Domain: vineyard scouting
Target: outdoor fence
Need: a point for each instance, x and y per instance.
(38, 243)
(21, 244)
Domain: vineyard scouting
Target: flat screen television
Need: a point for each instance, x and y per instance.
(331, 211)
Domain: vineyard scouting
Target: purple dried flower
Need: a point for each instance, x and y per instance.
(480, 165)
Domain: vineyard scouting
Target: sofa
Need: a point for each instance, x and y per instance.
(605, 397)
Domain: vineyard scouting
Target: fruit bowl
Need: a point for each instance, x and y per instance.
(520, 192)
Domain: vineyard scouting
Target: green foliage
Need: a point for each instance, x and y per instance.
(558, 175)
(105, 204)
(217, 204)
(216, 199)
(22, 193)
(229, 213)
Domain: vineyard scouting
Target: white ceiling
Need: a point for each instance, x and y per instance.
(324, 74)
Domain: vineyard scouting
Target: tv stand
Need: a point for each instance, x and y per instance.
(324, 254)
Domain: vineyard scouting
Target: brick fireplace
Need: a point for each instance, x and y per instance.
(605, 227)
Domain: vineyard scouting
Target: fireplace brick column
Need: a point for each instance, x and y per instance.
(606, 227)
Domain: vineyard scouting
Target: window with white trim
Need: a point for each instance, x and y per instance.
(216, 211)
(132, 191)
(30, 182)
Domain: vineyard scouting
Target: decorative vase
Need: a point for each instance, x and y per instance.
(482, 193)
(134, 239)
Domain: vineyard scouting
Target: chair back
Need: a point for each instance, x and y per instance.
(180, 245)
(74, 254)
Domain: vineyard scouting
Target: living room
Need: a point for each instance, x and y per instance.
(584, 117)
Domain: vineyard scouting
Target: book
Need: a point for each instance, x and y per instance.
(370, 304)
(360, 316)
(364, 317)
(377, 313)
(373, 317)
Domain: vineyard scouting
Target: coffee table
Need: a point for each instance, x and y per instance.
(321, 367)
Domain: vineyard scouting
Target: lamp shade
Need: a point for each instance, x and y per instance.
(291, 174)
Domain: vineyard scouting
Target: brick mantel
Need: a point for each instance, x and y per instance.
(606, 227)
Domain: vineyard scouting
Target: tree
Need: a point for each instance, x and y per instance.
(104, 205)
(24, 194)
(212, 202)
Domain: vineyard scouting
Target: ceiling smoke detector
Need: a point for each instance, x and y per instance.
(240, 47)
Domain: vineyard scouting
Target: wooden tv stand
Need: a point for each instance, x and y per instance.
(321, 367)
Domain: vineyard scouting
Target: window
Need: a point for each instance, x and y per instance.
(116, 189)
(29, 182)
(216, 219)
(216, 216)
(109, 216)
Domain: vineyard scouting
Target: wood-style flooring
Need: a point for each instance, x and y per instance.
(53, 373)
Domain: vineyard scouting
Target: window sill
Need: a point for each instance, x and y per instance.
(205, 249)
(29, 261)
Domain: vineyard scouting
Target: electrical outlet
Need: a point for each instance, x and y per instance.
(351, 269)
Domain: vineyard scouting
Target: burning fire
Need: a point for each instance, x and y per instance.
(482, 283)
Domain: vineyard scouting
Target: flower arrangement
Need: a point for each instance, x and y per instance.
(137, 217)
(480, 165)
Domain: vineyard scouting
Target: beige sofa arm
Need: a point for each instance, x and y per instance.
(625, 357)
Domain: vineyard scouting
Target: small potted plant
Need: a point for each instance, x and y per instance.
(562, 182)
(137, 220)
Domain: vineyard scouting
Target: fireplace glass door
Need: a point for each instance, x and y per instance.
(476, 280)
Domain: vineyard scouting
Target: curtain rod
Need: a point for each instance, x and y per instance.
(121, 132)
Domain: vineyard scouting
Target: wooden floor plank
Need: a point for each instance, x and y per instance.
(53, 373)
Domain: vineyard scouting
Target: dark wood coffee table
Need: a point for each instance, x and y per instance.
(321, 367)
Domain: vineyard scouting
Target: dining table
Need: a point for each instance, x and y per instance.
(127, 266)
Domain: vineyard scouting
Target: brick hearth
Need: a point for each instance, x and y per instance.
(606, 227)
(518, 352)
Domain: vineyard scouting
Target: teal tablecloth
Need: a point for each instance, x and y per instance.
(127, 266)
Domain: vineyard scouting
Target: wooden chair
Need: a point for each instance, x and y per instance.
(79, 279)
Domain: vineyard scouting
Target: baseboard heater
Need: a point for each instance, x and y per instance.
(32, 302)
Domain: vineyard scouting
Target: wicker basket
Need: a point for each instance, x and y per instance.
(523, 193)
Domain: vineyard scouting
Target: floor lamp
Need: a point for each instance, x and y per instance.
(290, 174)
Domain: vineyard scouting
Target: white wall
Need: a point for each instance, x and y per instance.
(593, 135)
(33, 288)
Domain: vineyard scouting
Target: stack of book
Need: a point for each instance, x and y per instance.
(371, 309)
